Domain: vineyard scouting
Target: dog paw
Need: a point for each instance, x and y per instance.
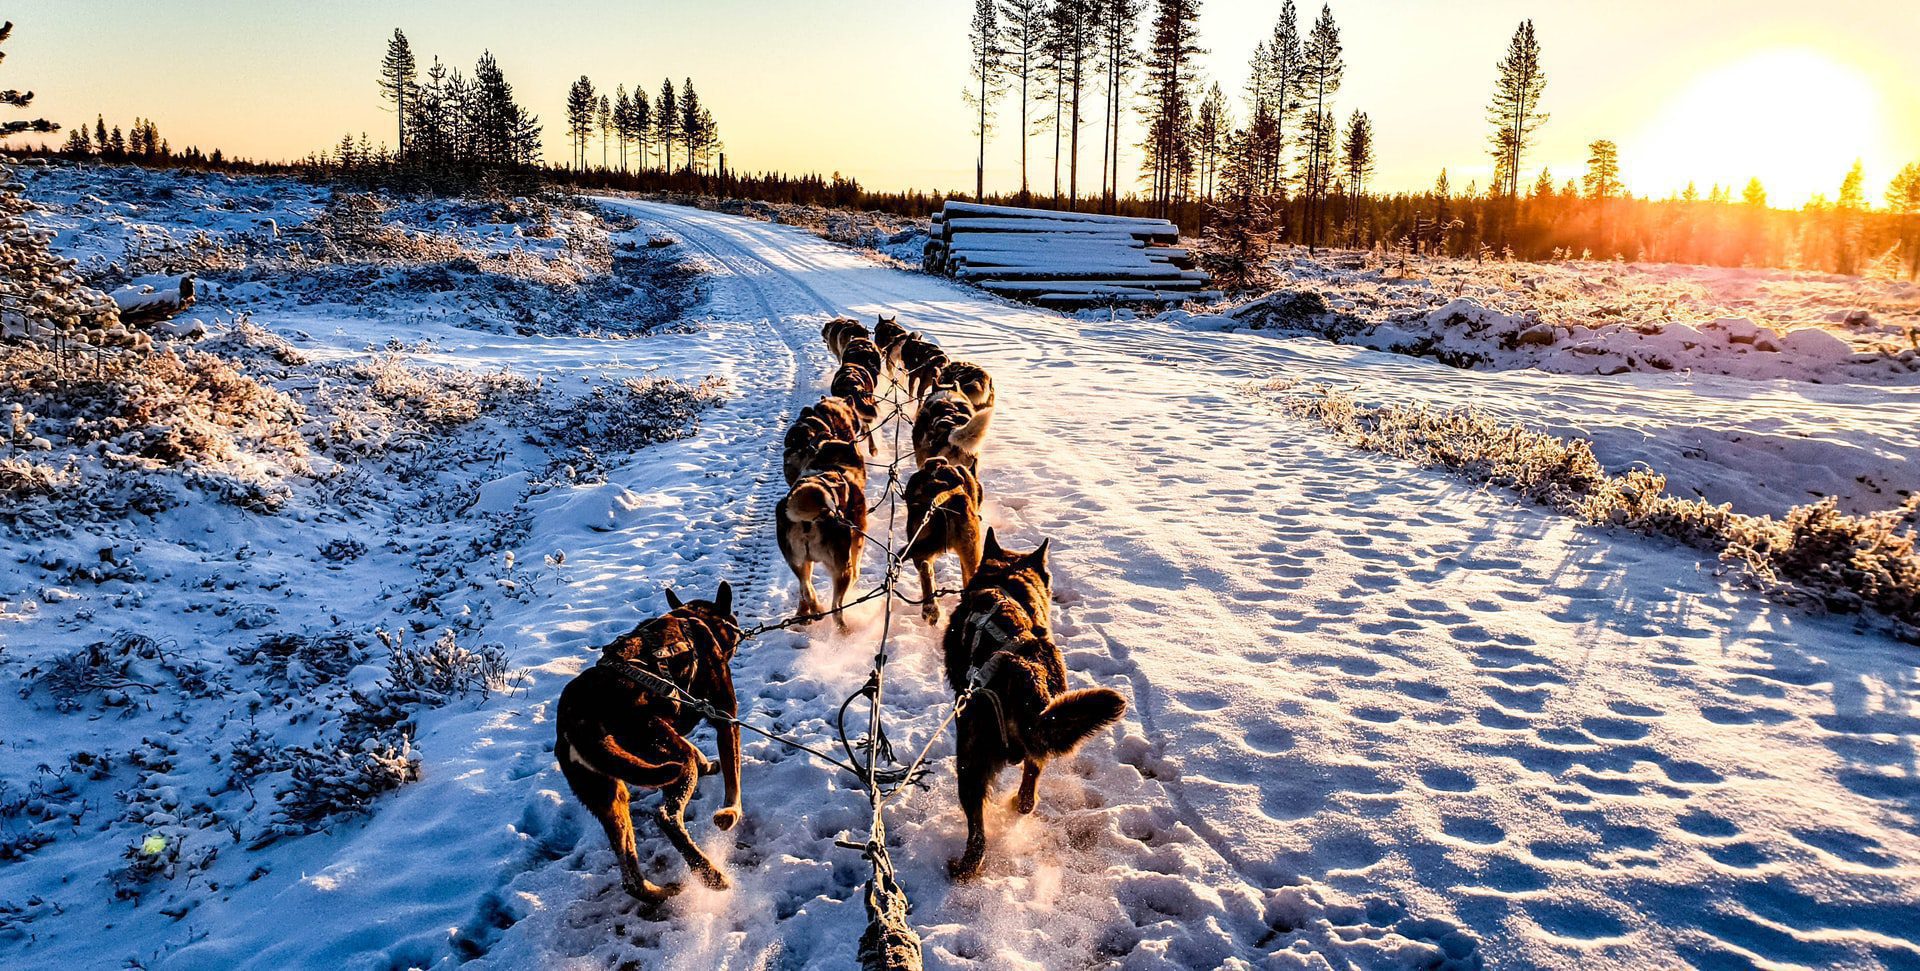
(931, 616)
(1024, 802)
(653, 893)
(727, 818)
(965, 868)
(714, 879)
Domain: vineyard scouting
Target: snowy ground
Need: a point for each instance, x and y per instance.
(1378, 718)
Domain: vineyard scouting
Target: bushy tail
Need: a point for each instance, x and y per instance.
(808, 502)
(968, 437)
(1073, 717)
(602, 752)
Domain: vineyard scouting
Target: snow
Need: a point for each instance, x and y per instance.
(1378, 718)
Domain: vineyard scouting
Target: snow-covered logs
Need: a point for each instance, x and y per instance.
(1064, 259)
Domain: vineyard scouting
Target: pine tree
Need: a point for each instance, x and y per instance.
(1118, 22)
(1274, 88)
(397, 81)
(666, 118)
(1170, 54)
(603, 119)
(1903, 200)
(1211, 128)
(692, 132)
(78, 144)
(1515, 109)
(642, 126)
(580, 105)
(1321, 71)
(985, 65)
(1357, 157)
(1024, 37)
(1602, 182)
(622, 122)
(1072, 27)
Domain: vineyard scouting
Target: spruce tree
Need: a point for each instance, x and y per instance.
(603, 120)
(397, 79)
(692, 132)
(1170, 54)
(580, 105)
(1119, 21)
(622, 121)
(1357, 154)
(642, 126)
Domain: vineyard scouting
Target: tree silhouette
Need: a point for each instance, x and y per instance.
(1515, 109)
(397, 81)
(984, 65)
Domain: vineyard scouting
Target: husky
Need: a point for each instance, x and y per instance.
(1023, 712)
(863, 352)
(887, 333)
(919, 362)
(843, 418)
(943, 516)
(838, 331)
(612, 731)
(948, 426)
(823, 519)
(969, 379)
(805, 437)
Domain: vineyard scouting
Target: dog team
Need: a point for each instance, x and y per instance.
(616, 728)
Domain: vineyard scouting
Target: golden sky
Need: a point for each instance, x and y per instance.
(1791, 92)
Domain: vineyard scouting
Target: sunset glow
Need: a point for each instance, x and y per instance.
(1795, 118)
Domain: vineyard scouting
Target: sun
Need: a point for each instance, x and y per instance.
(1793, 117)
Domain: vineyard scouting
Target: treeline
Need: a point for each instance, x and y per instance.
(139, 142)
(1284, 166)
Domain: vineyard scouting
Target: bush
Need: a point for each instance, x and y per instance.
(328, 783)
(442, 671)
(1817, 555)
(631, 415)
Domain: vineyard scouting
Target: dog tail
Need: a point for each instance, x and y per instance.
(1073, 717)
(603, 752)
(967, 437)
(808, 502)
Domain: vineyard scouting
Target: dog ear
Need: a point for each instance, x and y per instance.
(992, 548)
(673, 600)
(1040, 555)
(724, 599)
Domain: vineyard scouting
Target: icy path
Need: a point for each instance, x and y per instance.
(1378, 718)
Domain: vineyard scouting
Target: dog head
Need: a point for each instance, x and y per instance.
(1001, 562)
(716, 615)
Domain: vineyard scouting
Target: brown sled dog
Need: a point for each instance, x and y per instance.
(943, 516)
(612, 733)
(838, 331)
(855, 384)
(920, 362)
(823, 519)
(862, 351)
(969, 379)
(887, 333)
(948, 426)
(842, 417)
(1023, 712)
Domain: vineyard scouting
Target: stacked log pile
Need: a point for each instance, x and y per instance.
(1064, 259)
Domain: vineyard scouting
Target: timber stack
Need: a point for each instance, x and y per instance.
(1066, 260)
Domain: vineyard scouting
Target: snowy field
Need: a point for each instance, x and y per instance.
(1378, 717)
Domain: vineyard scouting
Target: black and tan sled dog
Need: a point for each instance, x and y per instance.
(838, 331)
(823, 519)
(949, 426)
(943, 516)
(1023, 713)
(612, 733)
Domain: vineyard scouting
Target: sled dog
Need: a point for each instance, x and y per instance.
(943, 516)
(1023, 712)
(948, 426)
(969, 379)
(613, 732)
(838, 331)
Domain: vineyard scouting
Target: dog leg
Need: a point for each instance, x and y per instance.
(606, 799)
(843, 578)
(707, 765)
(809, 602)
(671, 816)
(974, 770)
(1024, 800)
(729, 737)
(930, 608)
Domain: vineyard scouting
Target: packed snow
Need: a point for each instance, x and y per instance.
(1377, 717)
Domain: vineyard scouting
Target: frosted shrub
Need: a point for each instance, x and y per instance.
(442, 671)
(631, 415)
(385, 402)
(330, 783)
(1816, 555)
(299, 661)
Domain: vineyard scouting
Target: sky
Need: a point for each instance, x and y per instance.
(1789, 91)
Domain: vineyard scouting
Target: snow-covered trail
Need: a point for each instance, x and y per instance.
(1357, 683)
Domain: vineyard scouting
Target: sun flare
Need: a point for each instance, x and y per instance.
(1792, 117)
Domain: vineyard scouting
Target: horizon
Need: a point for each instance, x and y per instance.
(1790, 95)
